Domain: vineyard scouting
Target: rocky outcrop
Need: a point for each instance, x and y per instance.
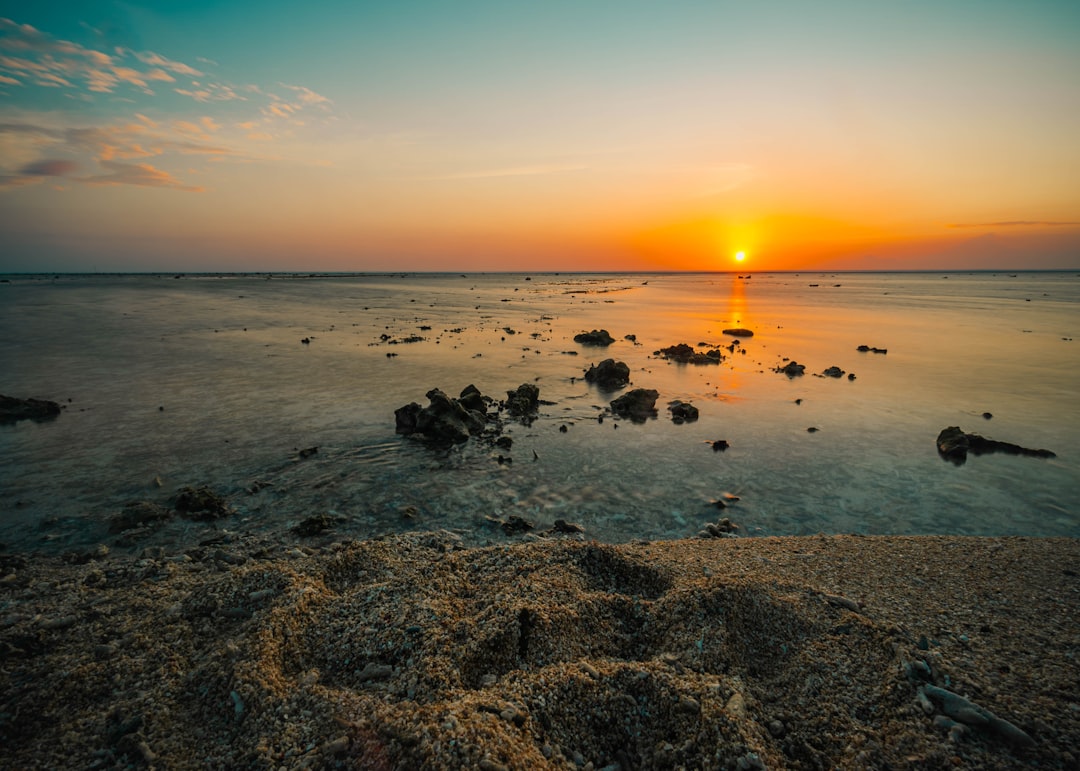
(871, 349)
(792, 368)
(13, 409)
(609, 374)
(954, 445)
(637, 405)
(444, 420)
(596, 337)
(833, 372)
(685, 354)
(739, 331)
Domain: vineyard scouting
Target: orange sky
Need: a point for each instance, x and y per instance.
(158, 136)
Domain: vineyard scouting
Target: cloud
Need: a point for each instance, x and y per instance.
(1016, 223)
(48, 168)
(140, 174)
(28, 55)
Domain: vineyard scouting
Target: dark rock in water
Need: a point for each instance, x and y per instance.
(792, 368)
(472, 400)
(137, 514)
(514, 525)
(637, 405)
(724, 528)
(988, 415)
(609, 374)
(504, 442)
(201, 503)
(833, 372)
(954, 445)
(596, 337)
(685, 354)
(720, 445)
(872, 349)
(446, 420)
(682, 412)
(566, 528)
(307, 452)
(739, 332)
(13, 409)
(405, 418)
(851, 376)
(317, 525)
(524, 400)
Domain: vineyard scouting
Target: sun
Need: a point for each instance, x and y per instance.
(740, 256)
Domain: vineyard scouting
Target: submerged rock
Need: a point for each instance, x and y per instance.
(596, 337)
(954, 445)
(682, 412)
(833, 372)
(685, 354)
(792, 368)
(201, 503)
(739, 331)
(524, 400)
(872, 349)
(137, 514)
(609, 374)
(13, 409)
(637, 405)
(317, 525)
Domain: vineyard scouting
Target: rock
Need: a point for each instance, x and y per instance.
(610, 375)
(792, 368)
(13, 409)
(443, 421)
(201, 503)
(957, 707)
(515, 525)
(472, 400)
(524, 400)
(682, 412)
(307, 452)
(739, 332)
(954, 445)
(833, 372)
(872, 349)
(316, 525)
(567, 528)
(596, 337)
(137, 514)
(637, 405)
(719, 445)
(685, 354)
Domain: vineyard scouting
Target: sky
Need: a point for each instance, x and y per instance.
(343, 135)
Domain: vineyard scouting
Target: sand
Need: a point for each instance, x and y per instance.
(413, 652)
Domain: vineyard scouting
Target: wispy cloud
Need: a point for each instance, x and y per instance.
(1016, 223)
(141, 174)
(34, 65)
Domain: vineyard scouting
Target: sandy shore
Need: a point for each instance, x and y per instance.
(410, 652)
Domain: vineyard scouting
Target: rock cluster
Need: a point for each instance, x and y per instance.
(792, 368)
(447, 421)
(685, 354)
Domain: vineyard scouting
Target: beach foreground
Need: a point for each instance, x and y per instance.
(409, 652)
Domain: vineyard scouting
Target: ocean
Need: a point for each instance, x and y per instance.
(170, 381)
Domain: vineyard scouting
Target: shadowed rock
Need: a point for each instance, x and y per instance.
(637, 405)
(13, 409)
(609, 374)
(954, 445)
(596, 337)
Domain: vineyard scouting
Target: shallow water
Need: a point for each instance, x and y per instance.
(205, 380)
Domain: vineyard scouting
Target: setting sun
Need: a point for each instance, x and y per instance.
(740, 256)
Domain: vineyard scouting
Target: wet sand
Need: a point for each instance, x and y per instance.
(412, 652)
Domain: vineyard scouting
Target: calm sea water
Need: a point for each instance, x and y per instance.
(200, 380)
